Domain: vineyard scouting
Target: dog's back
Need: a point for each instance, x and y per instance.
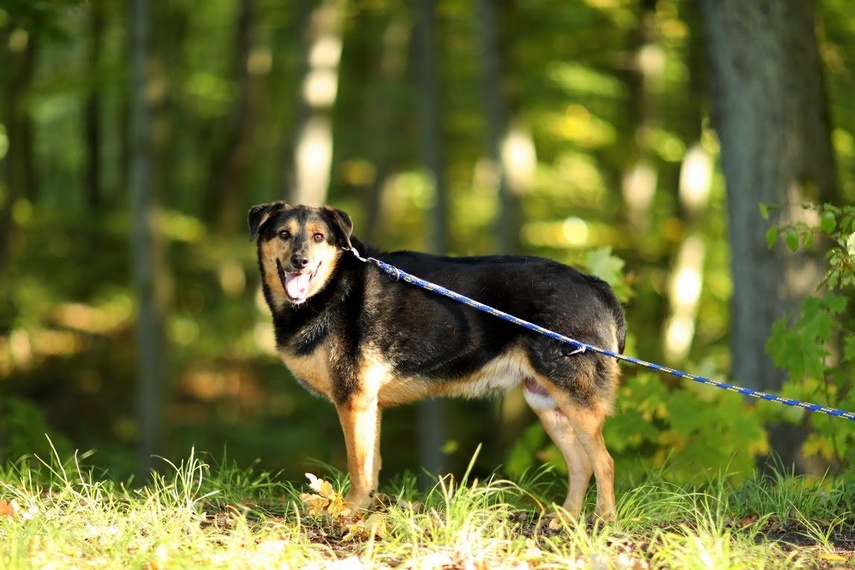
(436, 338)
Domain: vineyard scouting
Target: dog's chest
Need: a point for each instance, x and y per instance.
(311, 370)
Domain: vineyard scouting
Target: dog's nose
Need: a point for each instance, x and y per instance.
(299, 261)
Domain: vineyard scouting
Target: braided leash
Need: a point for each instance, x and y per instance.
(400, 275)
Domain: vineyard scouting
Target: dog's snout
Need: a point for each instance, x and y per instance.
(299, 261)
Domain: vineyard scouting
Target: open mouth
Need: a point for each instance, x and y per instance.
(296, 284)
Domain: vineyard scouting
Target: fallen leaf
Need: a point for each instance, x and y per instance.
(376, 525)
(317, 504)
(6, 509)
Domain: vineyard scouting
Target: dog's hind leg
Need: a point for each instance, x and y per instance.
(577, 431)
(561, 432)
(579, 468)
(588, 424)
(360, 421)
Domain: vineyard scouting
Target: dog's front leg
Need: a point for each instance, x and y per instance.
(360, 421)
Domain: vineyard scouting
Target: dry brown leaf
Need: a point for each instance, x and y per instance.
(7, 509)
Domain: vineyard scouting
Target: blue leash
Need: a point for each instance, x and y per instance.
(400, 275)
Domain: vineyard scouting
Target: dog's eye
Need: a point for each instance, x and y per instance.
(318, 237)
(284, 234)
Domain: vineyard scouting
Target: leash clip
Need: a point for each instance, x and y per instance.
(355, 253)
(579, 350)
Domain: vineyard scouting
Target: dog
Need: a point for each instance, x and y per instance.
(351, 334)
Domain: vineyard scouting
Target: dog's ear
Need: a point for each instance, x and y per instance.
(341, 225)
(261, 213)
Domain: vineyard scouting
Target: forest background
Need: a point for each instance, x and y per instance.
(656, 143)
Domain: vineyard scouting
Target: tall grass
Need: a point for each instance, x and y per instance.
(56, 513)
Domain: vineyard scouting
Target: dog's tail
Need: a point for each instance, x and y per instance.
(621, 329)
(607, 294)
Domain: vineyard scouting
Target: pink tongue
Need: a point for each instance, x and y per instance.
(297, 284)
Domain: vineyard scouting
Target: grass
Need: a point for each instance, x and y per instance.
(56, 514)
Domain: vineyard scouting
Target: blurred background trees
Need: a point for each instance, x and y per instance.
(589, 132)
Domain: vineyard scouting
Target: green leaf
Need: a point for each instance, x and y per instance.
(819, 316)
(764, 210)
(833, 278)
(802, 348)
(849, 348)
(771, 237)
(792, 240)
(828, 223)
(686, 413)
(808, 240)
(608, 267)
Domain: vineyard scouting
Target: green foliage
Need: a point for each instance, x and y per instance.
(816, 344)
(22, 431)
(683, 429)
(802, 347)
(608, 267)
(40, 17)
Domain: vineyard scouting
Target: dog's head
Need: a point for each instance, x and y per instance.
(298, 248)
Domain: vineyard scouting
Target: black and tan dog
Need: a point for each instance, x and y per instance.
(351, 334)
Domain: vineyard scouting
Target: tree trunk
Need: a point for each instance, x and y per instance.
(93, 107)
(431, 432)
(494, 96)
(382, 144)
(150, 356)
(770, 111)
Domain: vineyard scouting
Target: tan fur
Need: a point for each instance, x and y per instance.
(559, 428)
(497, 376)
(270, 253)
(312, 370)
(360, 422)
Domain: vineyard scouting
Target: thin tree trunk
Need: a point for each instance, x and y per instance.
(771, 114)
(431, 412)
(93, 108)
(381, 120)
(169, 27)
(497, 120)
(150, 370)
